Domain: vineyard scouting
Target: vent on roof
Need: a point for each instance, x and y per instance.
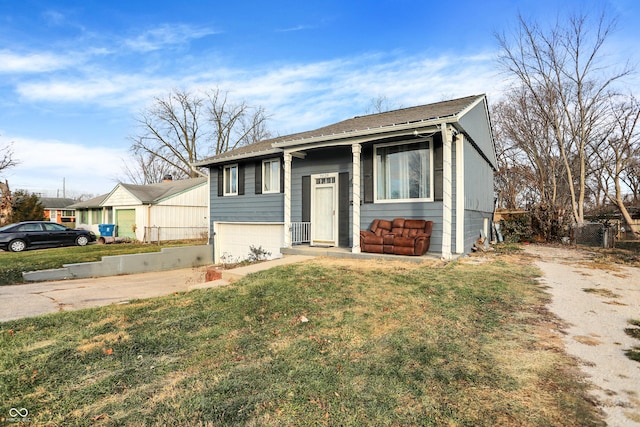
(167, 178)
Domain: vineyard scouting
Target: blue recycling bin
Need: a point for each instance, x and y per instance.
(106, 230)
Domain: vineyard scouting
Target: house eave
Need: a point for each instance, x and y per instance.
(234, 158)
(369, 134)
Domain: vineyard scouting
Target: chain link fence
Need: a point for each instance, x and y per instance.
(595, 234)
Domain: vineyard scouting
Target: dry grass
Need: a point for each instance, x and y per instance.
(330, 342)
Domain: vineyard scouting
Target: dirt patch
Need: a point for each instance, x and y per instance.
(596, 299)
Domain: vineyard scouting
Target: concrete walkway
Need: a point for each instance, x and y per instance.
(34, 299)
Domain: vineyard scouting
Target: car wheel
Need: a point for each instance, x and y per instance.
(17, 245)
(82, 240)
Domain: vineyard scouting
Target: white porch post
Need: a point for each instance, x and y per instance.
(446, 192)
(287, 200)
(460, 203)
(355, 232)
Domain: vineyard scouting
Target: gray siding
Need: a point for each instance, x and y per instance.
(473, 225)
(334, 160)
(249, 207)
(431, 211)
(476, 124)
(478, 181)
(479, 195)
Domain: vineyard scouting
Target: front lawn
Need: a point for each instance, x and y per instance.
(13, 264)
(328, 342)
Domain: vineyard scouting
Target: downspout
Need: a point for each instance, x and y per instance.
(149, 224)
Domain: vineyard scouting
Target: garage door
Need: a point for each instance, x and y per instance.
(126, 220)
(233, 240)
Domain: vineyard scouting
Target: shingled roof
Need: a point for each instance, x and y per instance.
(95, 202)
(149, 193)
(152, 193)
(422, 113)
(56, 202)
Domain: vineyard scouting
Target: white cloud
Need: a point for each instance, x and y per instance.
(44, 164)
(11, 62)
(166, 35)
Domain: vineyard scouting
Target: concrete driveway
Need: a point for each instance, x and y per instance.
(26, 300)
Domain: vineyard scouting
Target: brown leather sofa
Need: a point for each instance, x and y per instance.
(400, 236)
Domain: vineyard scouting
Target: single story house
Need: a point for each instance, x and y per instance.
(321, 187)
(169, 210)
(56, 209)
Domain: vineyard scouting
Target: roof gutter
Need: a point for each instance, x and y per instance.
(241, 156)
(363, 134)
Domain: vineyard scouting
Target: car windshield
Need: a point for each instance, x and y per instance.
(6, 227)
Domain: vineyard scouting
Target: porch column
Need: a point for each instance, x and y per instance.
(355, 232)
(460, 203)
(446, 191)
(287, 200)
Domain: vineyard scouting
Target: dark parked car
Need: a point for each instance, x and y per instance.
(32, 234)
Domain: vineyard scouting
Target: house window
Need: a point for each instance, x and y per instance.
(403, 172)
(231, 180)
(271, 176)
(96, 216)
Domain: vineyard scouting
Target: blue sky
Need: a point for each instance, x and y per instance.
(75, 73)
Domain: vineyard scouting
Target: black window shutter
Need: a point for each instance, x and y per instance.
(306, 198)
(240, 180)
(437, 169)
(258, 177)
(343, 209)
(220, 181)
(367, 172)
(281, 176)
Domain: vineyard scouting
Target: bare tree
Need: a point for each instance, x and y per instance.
(170, 133)
(380, 104)
(631, 177)
(619, 151)
(183, 127)
(146, 168)
(562, 72)
(527, 152)
(234, 125)
(6, 156)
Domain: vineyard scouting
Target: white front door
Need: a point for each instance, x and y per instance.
(324, 203)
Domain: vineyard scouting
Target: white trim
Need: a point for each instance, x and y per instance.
(276, 188)
(375, 172)
(460, 195)
(314, 221)
(356, 150)
(224, 180)
(446, 192)
(286, 158)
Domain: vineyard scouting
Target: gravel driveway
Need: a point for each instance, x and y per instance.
(597, 302)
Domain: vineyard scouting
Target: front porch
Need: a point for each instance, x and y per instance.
(336, 252)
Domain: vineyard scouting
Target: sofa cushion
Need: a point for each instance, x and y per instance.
(383, 227)
(397, 226)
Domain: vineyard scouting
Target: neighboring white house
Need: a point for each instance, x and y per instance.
(169, 210)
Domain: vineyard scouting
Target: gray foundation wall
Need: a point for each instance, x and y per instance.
(166, 259)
